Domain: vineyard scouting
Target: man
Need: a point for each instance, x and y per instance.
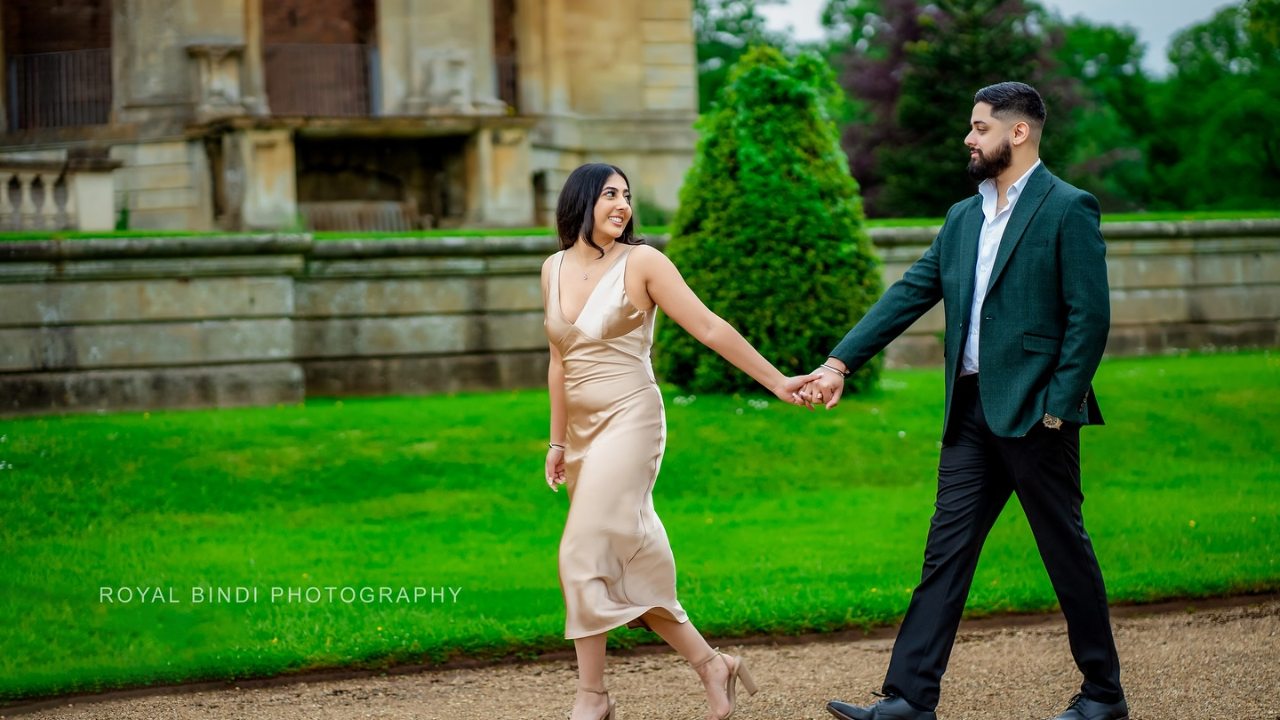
(1022, 274)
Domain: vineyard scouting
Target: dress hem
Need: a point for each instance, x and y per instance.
(629, 623)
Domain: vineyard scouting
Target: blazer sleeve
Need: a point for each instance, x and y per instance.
(901, 305)
(1087, 301)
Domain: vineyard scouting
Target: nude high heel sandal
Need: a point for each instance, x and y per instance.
(609, 713)
(737, 672)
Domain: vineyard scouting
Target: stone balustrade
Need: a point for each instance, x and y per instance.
(75, 194)
(118, 324)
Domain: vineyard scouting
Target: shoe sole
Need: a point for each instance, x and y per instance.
(842, 716)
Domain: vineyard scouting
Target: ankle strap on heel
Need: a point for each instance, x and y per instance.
(601, 691)
(715, 653)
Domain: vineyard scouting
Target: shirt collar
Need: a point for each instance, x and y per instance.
(987, 189)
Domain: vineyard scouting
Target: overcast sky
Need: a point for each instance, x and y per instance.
(1155, 20)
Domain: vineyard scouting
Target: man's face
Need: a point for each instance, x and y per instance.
(990, 148)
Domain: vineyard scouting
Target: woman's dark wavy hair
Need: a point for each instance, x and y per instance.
(575, 211)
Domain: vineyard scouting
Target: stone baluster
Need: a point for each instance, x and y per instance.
(27, 206)
(65, 198)
(9, 217)
(41, 202)
(49, 214)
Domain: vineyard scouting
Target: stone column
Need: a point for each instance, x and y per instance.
(484, 76)
(253, 89)
(262, 165)
(556, 67)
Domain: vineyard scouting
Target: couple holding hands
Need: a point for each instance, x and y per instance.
(1021, 270)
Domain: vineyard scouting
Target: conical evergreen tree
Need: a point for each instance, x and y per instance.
(770, 230)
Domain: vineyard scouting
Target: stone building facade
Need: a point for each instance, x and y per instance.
(335, 114)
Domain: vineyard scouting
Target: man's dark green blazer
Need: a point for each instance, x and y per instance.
(1045, 317)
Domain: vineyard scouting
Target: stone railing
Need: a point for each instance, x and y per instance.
(221, 321)
(1174, 286)
(74, 194)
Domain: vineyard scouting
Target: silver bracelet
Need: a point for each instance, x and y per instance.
(553, 445)
(841, 374)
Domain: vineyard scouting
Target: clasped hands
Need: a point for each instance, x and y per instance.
(823, 386)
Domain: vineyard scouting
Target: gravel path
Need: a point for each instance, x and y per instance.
(1216, 662)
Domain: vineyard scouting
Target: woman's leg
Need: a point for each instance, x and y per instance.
(591, 656)
(685, 639)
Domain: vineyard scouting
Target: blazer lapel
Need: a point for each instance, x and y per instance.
(967, 254)
(1038, 186)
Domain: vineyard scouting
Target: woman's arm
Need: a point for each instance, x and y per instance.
(555, 387)
(559, 418)
(668, 290)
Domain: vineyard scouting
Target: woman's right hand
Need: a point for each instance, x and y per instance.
(790, 390)
(555, 468)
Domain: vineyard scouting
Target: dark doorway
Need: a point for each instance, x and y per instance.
(57, 69)
(320, 57)
(381, 184)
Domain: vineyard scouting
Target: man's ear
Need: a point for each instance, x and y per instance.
(1021, 133)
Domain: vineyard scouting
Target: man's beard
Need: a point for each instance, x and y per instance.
(984, 168)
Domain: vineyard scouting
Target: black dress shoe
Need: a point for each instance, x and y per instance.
(1082, 708)
(890, 708)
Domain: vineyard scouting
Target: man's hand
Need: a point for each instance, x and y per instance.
(827, 388)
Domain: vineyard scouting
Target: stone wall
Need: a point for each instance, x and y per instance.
(1186, 285)
(201, 322)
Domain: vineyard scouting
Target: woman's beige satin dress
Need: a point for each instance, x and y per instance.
(615, 560)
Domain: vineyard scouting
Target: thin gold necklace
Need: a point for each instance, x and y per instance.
(587, 268)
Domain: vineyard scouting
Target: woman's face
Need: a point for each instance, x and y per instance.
(613, 210)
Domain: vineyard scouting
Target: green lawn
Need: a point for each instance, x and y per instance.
(649, 230)
(782, 521)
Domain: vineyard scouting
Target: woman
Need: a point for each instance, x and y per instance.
(600, 295)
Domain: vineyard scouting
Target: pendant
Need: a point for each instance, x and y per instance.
(584, 276)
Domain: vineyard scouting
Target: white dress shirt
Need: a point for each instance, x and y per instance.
(988, 245)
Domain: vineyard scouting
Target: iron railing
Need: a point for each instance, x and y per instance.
(59, 89)
(320, 80)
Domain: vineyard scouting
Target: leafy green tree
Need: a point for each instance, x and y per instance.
(1216, 146)
(964, 45)
(723, 31)
(1108, 62)
(1264, 20)
(868, 41)
(1106, 152)
(912, 68)
(770, 229)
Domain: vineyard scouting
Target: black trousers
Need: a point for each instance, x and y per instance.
(976, 474)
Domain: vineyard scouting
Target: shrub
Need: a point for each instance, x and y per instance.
(770, 232)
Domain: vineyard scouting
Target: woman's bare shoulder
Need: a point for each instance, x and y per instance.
(648, 256)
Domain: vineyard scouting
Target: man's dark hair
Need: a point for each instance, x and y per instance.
(1014, 99)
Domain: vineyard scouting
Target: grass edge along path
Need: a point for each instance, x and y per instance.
(783, 522)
